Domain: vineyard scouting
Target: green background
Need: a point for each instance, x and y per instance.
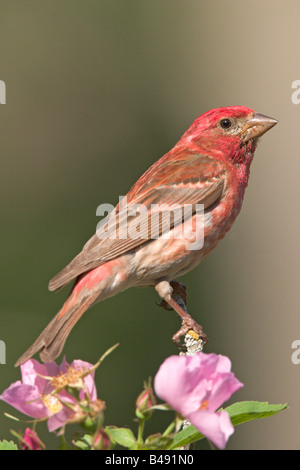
(96, 92)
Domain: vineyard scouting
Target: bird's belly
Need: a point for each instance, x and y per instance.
(184, 248)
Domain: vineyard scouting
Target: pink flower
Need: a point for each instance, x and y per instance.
(31, 441)
(196, 386)
(34, 395)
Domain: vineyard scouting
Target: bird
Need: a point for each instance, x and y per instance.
(208, 168)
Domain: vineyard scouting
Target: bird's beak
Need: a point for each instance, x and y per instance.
(256, 126)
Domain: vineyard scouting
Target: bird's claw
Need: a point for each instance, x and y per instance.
(193, 329)
(164, 305)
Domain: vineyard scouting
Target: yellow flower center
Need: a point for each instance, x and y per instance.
(52, 403)
(70, 377)
(73, 377)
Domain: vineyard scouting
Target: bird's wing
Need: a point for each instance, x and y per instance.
(170, 184)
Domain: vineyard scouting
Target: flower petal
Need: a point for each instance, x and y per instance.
(26, 399)
(176, 381)
(224, 386)
(59, 419)
(88, 379)
(217, 427)
(33, 373)
(196, 386)
(185, 382)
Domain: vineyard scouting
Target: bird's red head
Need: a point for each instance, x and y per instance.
(227, 133)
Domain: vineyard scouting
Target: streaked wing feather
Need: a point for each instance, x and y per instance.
(112, 240)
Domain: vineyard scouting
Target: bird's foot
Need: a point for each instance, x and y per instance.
(179, 291)
(193, 329)
(174, 297)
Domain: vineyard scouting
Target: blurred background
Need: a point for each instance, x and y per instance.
(96, 91)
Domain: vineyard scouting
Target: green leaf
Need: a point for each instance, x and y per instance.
(5, 445)
(239, 413)
(122, 436)
(185, 437)
(156, 442)
(244, 411)
(84, 443)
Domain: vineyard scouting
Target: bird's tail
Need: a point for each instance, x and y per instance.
(51, 341)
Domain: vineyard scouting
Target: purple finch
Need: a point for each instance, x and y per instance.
(209, 166)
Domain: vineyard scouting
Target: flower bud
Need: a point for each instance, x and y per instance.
(144, 401)
(31, 441)
(101, 441)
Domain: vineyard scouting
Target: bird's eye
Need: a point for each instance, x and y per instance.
(225, 123)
